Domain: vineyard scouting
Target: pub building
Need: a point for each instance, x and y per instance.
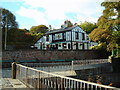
(66, 38)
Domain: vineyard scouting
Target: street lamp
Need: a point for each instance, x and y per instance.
(5, 44)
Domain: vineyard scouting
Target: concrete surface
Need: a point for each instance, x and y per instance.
(12, 84)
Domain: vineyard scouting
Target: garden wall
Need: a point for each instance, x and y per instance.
(53, 55)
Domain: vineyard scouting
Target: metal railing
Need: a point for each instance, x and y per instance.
(75, 62)
(38, 79)
(87, 62)
(64, 66)
(51, 67)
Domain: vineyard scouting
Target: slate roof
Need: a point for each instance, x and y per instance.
(60, 30)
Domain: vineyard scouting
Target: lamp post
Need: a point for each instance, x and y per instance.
(1, 29)
(5, 44)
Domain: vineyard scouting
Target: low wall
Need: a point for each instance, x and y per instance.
(53, 55)
(102, 75)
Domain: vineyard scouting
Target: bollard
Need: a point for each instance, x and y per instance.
(14, 70)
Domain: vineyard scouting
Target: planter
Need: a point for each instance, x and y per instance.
(116, 64)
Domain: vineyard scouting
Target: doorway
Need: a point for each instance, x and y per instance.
(68, 45)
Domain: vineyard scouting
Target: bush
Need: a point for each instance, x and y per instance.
(101, 46)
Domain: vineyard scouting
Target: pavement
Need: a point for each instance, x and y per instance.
(12, 84)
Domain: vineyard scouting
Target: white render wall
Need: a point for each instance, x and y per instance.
(68, 40)
(50, 38)
(68, 36)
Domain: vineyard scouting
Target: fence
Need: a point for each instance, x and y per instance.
(65, 66)
(93, 61)
(38, 79)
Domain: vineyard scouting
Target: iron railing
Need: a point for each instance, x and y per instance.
(93, 61)
(66, 66)
(75, 62)
(38, 79)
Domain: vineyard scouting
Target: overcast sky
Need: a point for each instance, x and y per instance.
(53, 12)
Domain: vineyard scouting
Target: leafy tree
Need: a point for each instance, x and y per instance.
(19, 36)
(108, 29)
(8, 21)
(88, 26)
(67, 24)
(39, 29)
(37, 36)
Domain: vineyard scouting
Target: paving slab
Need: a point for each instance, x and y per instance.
(12, 84)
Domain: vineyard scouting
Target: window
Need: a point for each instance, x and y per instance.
(87, 38)
(64, 45)
(64, 35)
(53, 37)
(83, 36)
(47, 38)
(83, 46)
(76, 35)
(59, 45)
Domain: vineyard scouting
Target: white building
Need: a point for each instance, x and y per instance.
(71, 38)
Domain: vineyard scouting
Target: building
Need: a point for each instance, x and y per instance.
(71, 38)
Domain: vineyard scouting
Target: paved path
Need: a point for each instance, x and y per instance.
(12, 84)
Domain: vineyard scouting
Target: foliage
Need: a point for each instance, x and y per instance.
(100, 46)
(19, 36)
(108, 29)
(8, 19)
(88, 26)
(39, 29)
(67, 24)
(37, 36)
(101, 35)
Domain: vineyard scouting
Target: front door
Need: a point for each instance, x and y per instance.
(76, 46)
(68, 45)
(83, 46)
(56, 46)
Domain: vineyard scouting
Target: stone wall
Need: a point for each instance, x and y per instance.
(53, 55)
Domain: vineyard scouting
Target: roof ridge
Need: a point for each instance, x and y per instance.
(60, 30)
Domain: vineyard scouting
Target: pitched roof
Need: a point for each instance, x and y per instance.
(60, 30)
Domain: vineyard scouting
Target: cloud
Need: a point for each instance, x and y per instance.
(58, 9)
(11, 0)
(89, 19)
(34, 14)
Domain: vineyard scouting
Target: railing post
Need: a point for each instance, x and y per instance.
(14, 70)
(26, 75)
(39, 83)
(72, 66)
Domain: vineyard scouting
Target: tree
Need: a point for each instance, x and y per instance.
(8, 21)
(67, 24)
(39, 29)
(20, 38)
(108, 29)
(88, 26)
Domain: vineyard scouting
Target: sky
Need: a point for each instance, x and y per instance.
(53, 12)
